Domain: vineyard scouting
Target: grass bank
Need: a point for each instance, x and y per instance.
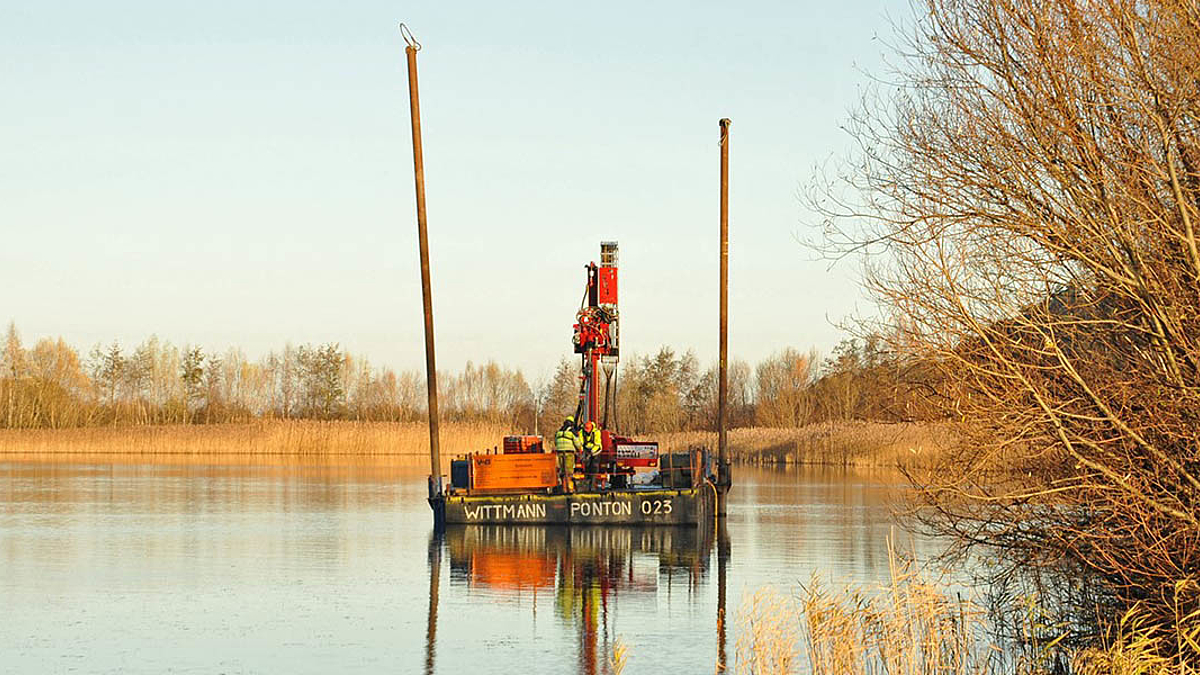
(858, 444)
(261, 442)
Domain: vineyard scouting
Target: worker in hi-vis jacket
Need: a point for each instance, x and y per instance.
(567, 442)
(591, 445)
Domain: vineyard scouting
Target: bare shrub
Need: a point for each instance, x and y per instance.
(1029, 201)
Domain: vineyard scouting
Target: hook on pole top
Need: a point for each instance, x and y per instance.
(408, 38)
(725, 124)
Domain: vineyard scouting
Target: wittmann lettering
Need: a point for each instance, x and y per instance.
(505, 511)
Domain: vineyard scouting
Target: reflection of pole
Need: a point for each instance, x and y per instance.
(723, 358)
(435, 577)
(587, 605)
(414, 103)
(722, 564)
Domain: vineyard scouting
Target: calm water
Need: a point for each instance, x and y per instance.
(152, 569)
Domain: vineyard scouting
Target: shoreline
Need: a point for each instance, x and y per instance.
(845, 444)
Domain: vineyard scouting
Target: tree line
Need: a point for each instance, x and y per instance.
(52, 385)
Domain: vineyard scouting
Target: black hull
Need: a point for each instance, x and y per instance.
(677, 506)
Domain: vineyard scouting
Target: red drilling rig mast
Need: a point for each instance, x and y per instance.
(596, 339)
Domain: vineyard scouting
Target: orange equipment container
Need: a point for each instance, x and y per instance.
(515, 445)
(514, 473)
(512, 569)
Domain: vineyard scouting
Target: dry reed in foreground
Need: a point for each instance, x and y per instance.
(769, 630)
(387, 443)
(909, 626)
(917, 627)
(862, 444)
(1139, 647)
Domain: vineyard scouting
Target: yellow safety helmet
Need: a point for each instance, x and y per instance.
(570, 420)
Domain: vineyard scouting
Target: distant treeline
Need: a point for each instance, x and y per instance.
(51, 385)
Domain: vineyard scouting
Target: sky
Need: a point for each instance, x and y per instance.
(240, 173)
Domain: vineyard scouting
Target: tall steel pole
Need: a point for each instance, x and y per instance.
(414, 103)
(723, 358)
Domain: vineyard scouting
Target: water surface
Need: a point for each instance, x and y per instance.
(211, 569)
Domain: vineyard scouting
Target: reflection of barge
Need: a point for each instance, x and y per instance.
(586, 571)
(613, 479)
(625, 558)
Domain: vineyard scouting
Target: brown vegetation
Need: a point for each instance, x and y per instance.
(859, 444)
(921, 627)
(1031, 195)
(260, 442)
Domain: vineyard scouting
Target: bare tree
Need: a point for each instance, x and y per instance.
(14, 366)
(1028, 201)
(321, 374)
(783, 383)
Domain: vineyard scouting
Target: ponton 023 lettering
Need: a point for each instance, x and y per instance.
(656, 506)
(600, 509)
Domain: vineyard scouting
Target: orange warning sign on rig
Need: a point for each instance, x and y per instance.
(514, 472)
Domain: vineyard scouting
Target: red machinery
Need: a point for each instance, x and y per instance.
(525, 465)
(596, 336)
(597, 340)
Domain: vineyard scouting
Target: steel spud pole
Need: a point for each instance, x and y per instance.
(723, 358)
(414, 102)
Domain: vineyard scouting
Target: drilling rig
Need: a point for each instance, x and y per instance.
(628, 481)
(597, 338)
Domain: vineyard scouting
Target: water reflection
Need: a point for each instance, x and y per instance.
(589, 571)
(149, 568)
(435, 579)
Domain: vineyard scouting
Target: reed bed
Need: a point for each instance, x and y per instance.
(859, 444)
(910, 626)
(917, 627)
(1138, 646)
(769, 635)
(261, 442)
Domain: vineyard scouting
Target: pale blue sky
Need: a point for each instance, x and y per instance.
(236, 173)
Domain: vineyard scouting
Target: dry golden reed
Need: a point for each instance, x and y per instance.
(619, 657)
(917, 627)
(769, 632)
(861, 444)
(262, 442)
(908, 625)
(1140, 646)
